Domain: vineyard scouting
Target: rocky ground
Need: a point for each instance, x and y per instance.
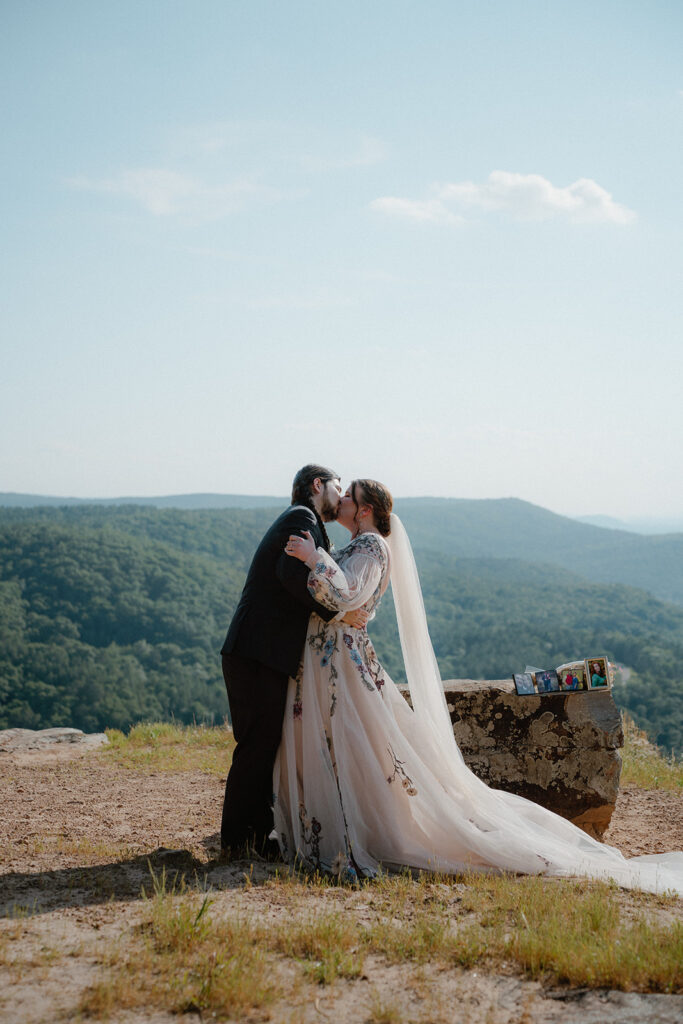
(76, 838)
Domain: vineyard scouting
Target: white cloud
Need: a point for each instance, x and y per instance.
(167, 193)
(523, 196)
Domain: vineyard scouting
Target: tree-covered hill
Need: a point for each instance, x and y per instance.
(112, 615)
(510, 528)
(100, 628)
(228, 536)
(495, 528)
(14, 499)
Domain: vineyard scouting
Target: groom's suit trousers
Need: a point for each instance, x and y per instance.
(257, 696)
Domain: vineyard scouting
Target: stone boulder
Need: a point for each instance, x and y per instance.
(40, 739)
(559, 749)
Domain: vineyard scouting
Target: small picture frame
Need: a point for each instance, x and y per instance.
(547, 681)
(524, 683)
(597, 674)
(572, 678)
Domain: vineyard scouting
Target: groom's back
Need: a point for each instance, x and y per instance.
(270, 621)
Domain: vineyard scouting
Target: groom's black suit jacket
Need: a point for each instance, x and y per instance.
(271, 618)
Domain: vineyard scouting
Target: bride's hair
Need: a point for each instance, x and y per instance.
(376, 495)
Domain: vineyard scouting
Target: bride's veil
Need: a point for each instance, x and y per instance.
(518, 834)
(422, 670)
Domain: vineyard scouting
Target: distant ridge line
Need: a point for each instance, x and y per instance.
(213, 501)
(14, 499)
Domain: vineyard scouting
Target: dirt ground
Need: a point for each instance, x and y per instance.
(76, 839)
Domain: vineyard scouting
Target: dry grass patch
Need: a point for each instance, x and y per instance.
(240, 955)
(330, 944)
(644, 765)
(181, 959)
(579, 933)
(85, 851)
(383, 1011)
(162, 746)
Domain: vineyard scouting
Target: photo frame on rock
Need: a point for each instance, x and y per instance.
(597, 673)
(572, 677)
(547, 681)
(524, 683)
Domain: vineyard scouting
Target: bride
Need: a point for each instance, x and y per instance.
(362, 781)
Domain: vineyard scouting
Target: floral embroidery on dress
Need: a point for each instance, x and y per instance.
(343, 868)
(297, 706)
(311, 830)
(324, 642)
(400, 773)
(357, 660)
(372, 663)
(321, 577)
(316, 587)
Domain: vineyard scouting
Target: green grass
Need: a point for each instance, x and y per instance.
(218, 955)
(162, 746)
(644, 765)
(327, 943)
(166, 747)
(194, 952)
(183, 960)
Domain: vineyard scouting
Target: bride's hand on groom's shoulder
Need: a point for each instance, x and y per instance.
(302, 548)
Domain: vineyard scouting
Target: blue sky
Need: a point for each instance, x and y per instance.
(434, 243)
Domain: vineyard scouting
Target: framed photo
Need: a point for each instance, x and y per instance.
(547, 681)
(597, 674)
(572, 677)
(524, 682)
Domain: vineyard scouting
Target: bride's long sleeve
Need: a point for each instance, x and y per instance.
(352, 587)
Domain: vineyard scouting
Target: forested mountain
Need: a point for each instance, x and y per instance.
(113, 614)
(495, 528)
(14, 499)
(510, 528)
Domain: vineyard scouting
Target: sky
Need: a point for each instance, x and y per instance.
(433, 243)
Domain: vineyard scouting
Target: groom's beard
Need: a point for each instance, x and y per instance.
(328, 511)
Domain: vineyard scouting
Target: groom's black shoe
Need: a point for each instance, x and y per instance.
(267, 849)
(236, 851)
(270, 851)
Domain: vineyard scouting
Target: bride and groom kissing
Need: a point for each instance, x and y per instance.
(329, 756)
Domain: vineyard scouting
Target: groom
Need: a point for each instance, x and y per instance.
(263, 648)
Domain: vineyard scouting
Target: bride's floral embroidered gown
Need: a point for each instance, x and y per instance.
(351, 791)
(337, 778)
(359, 782)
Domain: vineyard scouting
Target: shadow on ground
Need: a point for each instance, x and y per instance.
(40, 892)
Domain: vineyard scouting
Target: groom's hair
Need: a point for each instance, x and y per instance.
(303, 482)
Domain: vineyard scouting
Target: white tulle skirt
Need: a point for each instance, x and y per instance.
(360, 785)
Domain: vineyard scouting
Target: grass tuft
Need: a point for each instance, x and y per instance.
(644, 765)
(330, 944)
(166, 747)
(383, 1011)
(184, 961)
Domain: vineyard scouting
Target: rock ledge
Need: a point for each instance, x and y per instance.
(39, 739)
(560, 750)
